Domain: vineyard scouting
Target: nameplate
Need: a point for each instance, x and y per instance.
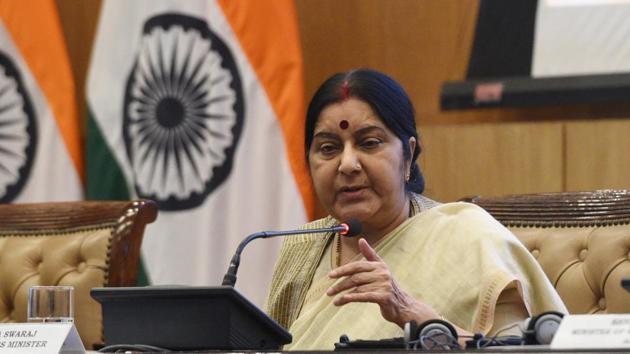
(609, 331)
(40, 338)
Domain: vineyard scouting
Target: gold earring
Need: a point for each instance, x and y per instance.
(407, 177)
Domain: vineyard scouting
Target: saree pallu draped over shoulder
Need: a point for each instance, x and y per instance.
(454, 257)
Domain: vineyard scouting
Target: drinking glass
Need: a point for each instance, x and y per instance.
(50, 304)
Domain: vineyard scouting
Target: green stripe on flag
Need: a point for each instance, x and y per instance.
(105, 180)
(143, 276)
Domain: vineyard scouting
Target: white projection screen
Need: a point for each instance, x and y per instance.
(581, 37)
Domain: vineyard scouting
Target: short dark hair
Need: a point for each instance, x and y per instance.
(386, 98)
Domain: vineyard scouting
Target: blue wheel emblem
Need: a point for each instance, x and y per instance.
(18, 131)
(183, 112)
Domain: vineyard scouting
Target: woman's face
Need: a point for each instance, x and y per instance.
(357, 166)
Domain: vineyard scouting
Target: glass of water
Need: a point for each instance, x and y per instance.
(50, 304)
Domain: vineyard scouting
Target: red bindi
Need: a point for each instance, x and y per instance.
(344, 124)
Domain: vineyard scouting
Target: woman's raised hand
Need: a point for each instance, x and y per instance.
(370, 280)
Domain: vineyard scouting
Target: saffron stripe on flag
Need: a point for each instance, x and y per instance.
(44, 160)
(279, 70)
(48, 61)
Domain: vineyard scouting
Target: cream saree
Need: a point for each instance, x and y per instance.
(454, 257)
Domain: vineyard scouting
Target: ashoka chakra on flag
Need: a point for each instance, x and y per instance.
(18, 131)
(183, 112)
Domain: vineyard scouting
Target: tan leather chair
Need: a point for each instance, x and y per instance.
(581, 240)
(85, 244)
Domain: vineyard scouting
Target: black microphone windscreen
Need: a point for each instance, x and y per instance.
(354, 227)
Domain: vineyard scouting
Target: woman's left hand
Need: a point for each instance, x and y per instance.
(371, 281)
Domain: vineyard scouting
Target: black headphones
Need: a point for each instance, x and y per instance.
(540, 329)
(430, 335)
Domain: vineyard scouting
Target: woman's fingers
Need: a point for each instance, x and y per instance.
(376, 278)
(349, 282)
(351, 268)
(368, 252)
(373, 297)
(370, 280)
(354, 267)
(367, 276)
(367, 280)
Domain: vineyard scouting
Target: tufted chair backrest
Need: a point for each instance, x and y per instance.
(85, 244)
(581, 240)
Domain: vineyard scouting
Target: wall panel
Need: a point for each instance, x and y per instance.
(491, 159)
(420, 43)
(598, 154)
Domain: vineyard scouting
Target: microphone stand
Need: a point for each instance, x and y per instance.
(230, 276)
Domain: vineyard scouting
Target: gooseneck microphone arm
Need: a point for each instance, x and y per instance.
(349, 229)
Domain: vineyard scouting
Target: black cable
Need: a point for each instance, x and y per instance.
(501, 340)
(450, 343)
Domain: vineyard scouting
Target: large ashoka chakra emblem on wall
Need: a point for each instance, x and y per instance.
(18, 131)
(183, 112)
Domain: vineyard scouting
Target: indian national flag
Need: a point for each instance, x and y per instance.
(199, 106)
(40, 153)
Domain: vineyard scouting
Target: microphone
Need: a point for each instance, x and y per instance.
(349, 229)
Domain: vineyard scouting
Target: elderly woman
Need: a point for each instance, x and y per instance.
(415, 259)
